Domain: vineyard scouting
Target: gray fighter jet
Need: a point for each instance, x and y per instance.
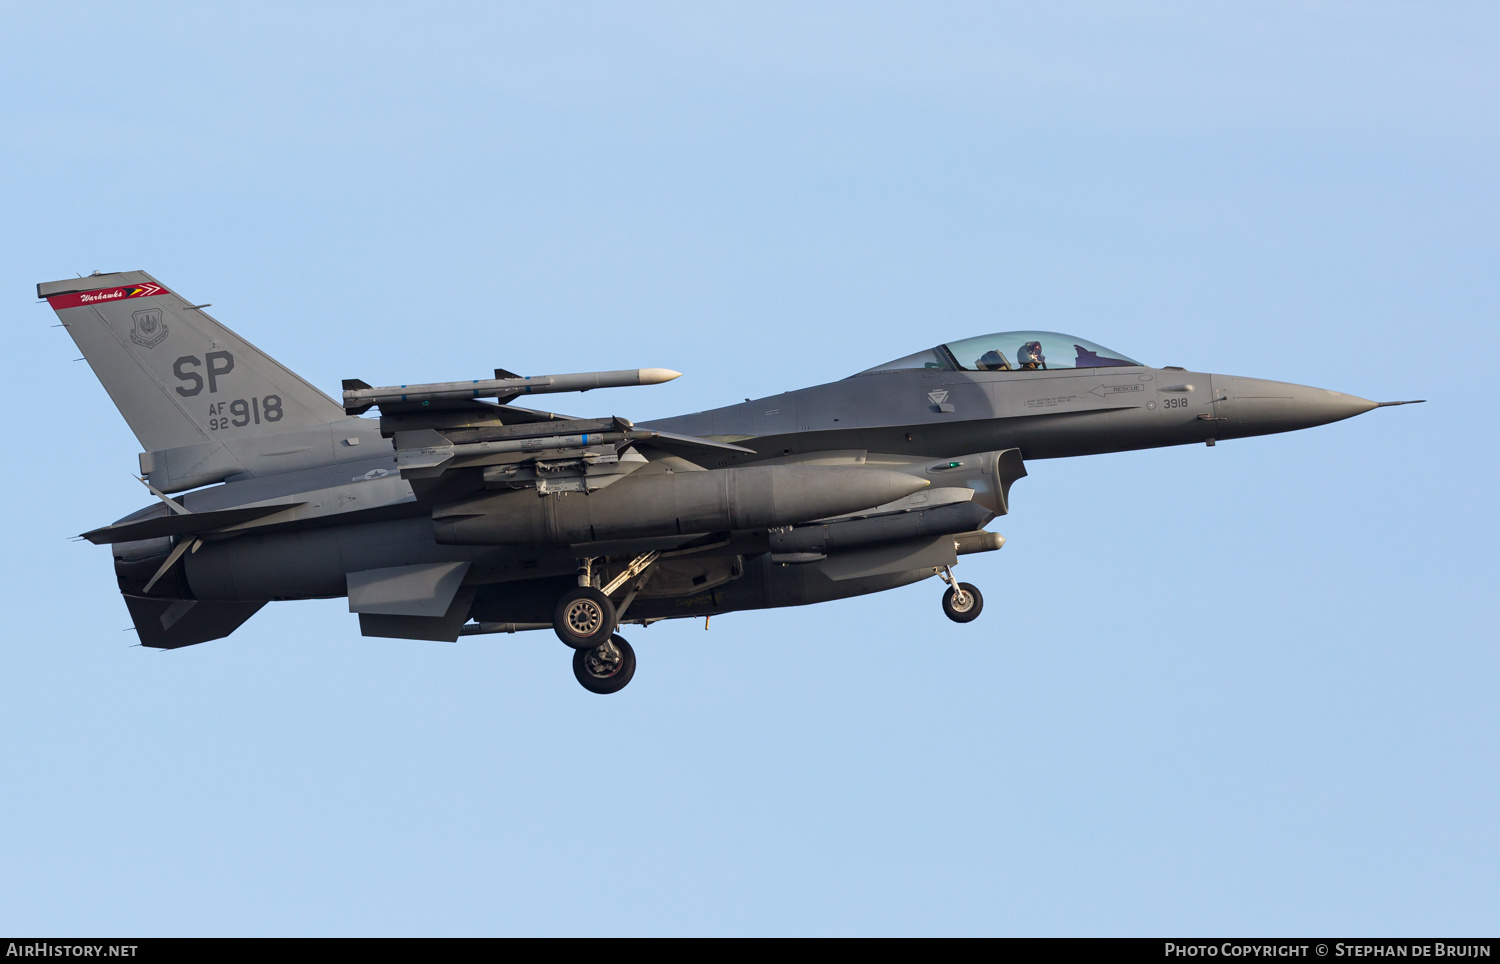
(457, 512)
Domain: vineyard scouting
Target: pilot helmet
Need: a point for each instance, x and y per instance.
(1031, 354)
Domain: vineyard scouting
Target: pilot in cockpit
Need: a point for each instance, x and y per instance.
(1030, 357)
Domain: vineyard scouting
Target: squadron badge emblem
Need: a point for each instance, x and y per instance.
(149, 330)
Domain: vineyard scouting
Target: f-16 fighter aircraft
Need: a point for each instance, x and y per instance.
(458, 512)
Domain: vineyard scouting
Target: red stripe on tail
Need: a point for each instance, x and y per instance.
(77, 299)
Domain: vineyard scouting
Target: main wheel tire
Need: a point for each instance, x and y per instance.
(966, 611)
(600, 672)
(584, 618)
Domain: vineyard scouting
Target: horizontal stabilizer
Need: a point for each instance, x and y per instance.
(173, 623)
(194, 523)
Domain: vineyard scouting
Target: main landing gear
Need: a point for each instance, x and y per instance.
(585, 619)
(606, 668)
(962, 603)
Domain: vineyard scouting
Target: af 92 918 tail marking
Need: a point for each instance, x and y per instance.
(244, 412)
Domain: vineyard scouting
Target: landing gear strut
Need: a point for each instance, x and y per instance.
(607, 668)
(962, 603)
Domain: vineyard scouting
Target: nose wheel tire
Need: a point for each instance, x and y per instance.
(607, 668)
(962, 603)
(584, 618)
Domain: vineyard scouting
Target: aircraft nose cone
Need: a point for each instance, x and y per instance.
(1262, 406)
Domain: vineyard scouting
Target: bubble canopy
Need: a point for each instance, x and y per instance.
(1006, 351)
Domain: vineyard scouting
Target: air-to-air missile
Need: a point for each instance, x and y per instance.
(457, 513)
(359, 397)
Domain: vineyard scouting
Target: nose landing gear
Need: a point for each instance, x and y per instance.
(962, 603)
(606, 668)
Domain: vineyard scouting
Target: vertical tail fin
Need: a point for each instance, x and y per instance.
(178, 376)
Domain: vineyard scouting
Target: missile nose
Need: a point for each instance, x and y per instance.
(1262, 407)
(655, 376)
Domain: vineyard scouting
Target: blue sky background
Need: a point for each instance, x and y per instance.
(1243, 690)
